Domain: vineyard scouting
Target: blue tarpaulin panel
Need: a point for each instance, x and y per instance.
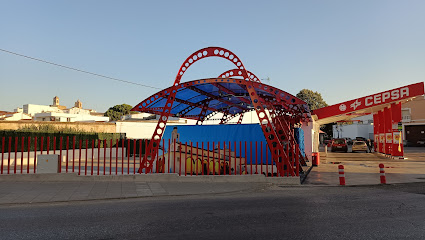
(299, 137)
(224, 133)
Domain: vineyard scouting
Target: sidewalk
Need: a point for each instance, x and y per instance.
(363, 168)
(48, 192)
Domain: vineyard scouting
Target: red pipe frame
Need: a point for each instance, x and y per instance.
(275, 144)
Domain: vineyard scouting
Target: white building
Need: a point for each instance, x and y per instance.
(56, 112)
(68, 117)
(356, 127)
(14, 116)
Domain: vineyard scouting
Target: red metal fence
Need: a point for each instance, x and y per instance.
(120, 157)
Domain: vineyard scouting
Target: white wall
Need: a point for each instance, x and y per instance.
(352, 131)
(63, 117)
(311, 138)
(32, 109)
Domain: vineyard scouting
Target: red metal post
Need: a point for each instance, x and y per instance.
(128, 156)
(181, 160)
(250, 143)
(219, 158)
(267, 160)
(224, 154)
(185, 159)
(16, 153)
(122, 156)
(341, 175)
(67, 147)
(134, 156)
(169, 156)
(98, 156)
(110, 156)
(140, 151)
(146, 147)
(22, 153)
(73, 153)
(174, 156)
(79, 158)
(116, 157)
(87, 150)
(92, 157)
(213, 158)
(191, 158)
(246, 159)
(60, 154)
(240, 157)
(382, 174)
(261, 145)
(8, 155)
(28, 159)
(163, 156)
(196, 159)
(157, 159)
(202, 158)
(35, 153)
(2, 154)
(256, 157)
(234, 148)
(297, 161)
(208, 157)
(104, 156)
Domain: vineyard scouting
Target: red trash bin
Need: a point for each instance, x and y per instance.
(315, 159)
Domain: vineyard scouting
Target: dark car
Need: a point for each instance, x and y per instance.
(339, 144)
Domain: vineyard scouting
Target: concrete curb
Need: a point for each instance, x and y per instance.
(164, 177)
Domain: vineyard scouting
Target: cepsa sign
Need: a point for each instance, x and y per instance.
(371, 101)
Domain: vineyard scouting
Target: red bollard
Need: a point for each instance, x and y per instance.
(382, 173)
(341, 175)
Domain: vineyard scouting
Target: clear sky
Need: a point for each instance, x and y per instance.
(342, 49)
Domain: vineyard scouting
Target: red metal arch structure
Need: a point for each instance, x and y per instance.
(235, 92)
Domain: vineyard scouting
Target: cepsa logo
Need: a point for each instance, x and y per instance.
(385, 96)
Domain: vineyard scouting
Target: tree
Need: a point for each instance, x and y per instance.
(116, 112)
(313, 99)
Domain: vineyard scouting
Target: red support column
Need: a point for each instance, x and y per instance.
(397, 147)
(381, 132)
(388, 131)
(375, 131)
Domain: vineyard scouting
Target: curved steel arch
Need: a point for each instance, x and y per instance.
(279, 156)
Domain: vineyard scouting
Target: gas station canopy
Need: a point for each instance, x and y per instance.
(367, 105)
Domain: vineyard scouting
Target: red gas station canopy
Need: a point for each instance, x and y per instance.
(368, 104)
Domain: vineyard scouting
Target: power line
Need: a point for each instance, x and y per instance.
(75, 69)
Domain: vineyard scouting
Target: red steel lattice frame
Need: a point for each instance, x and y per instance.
(250, 82)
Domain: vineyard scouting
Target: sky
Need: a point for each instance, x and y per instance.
(341, 49)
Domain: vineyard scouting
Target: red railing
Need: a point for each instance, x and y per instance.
(124, 157)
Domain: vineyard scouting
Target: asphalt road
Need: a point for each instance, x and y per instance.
(373, 212)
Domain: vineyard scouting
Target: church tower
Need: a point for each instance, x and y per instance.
(56, 101)
(78, 104)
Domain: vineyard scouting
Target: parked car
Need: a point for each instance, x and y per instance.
(361, 139)
(359, 146)
(349, 141)
(339, 144)
(421, 142)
